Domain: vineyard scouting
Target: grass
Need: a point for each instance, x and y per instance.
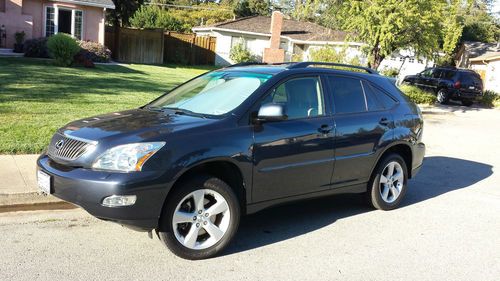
(37, 97)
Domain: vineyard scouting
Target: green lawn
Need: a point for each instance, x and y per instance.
(37, 97)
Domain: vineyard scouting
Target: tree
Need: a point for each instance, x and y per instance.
(124, 9)
(245, 8)
(479, 24)
(389, 25)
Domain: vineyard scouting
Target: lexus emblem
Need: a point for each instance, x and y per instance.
(59, 144)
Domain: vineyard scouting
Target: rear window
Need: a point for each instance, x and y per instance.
(469, 78)
(348, 95)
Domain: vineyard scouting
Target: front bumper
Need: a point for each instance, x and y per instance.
(87, 188)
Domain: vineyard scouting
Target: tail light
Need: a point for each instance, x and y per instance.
(457, 85)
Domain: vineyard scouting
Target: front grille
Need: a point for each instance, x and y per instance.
(65, 148)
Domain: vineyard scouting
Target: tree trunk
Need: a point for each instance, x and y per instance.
(376, 58)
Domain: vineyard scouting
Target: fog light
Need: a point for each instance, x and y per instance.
(119, 200)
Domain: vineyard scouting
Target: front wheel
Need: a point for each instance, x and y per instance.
(389, 182)
(200, 218)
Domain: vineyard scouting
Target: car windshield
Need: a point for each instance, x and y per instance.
(214, 93)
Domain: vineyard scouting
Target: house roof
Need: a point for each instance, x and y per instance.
(295, 30)
(108, 4)
(476, 49)
(487, 57)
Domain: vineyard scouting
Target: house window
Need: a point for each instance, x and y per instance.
(237, 41)
(49, 22)
(401, 58)
(78, 24)
(412, 60)
(62, 19)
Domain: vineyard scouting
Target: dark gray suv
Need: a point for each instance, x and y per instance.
(235, 141)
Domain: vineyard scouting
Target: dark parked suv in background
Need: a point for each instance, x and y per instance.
(235, 141)
(449, 83)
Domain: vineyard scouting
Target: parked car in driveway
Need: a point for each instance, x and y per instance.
(449, 83)
(235, 141)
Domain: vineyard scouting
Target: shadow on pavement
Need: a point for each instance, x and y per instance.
(439, 175)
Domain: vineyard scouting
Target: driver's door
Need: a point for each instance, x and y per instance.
(294, 156)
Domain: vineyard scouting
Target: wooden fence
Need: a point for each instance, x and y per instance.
(189, 49)
(136, 45)
(154, 46)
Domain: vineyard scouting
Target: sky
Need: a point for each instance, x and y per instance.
(496, 8)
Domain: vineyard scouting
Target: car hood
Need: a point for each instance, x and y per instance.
(136, 125)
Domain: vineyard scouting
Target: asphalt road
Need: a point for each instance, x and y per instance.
(448, 229)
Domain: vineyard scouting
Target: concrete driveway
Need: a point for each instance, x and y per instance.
(448, 228)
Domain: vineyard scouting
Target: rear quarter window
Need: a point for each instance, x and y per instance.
(386, 101)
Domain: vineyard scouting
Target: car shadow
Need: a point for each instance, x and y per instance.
(438, 176)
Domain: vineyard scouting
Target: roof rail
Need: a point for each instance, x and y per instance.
(309, 63)
(256, 63)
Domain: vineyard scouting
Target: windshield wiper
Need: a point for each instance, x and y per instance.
(181, 111)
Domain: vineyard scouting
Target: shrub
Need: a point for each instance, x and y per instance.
(417, 95)
(490, 99)
(327, 54)
(63, 48)
(390, 71)
(154, 17)
(94, 51)
(239, 53)
(19, 36)
(36, 48)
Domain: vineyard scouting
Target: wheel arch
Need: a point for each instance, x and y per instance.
(401, 148)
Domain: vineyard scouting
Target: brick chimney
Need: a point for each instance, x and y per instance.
(274, 54)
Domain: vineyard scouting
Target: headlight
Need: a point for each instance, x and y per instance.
(127, 157)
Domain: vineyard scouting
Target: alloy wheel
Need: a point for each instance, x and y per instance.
(391, 182)
(201, 219)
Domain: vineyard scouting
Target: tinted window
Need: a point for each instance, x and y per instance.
(437, 73)
(371, 100)
(427, 72)
(348, 94)
(302, 97)
(469, 78)
(447, 74)
(386, 100)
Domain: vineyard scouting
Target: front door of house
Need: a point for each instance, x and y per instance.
(64, 21)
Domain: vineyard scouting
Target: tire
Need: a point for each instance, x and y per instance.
(467, 102)
(442, 96)
(383, 196)
(215, 193)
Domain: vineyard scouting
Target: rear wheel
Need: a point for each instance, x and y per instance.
(442, 96)
(467, 102)
(389, 182)
(200, 218)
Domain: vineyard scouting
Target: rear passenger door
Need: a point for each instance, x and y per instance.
(363, 124)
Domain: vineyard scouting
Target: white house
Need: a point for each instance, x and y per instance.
(297, 39)
(488, 66)
(407, 61)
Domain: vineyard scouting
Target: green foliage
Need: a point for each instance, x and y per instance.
(306, 10)
(452, 28)
(154, 17)
(390, 71)
(36, 48)
(239, 53)
(245, 8)
(386, 26)
(417, 95)
(479, 24)
(62, 47)
(490, 99)
(327, 54)
(124, 9)
(19, 36)
(180, 20)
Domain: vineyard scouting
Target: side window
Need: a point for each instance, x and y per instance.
(302, 97)
(437, 73)
(371, 98)
(348, 96)
(386, 101)
(428, 72)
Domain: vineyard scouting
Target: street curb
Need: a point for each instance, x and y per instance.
(30, 201)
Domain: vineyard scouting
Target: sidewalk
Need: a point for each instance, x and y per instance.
(18, 184)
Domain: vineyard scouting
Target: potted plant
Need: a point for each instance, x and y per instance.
(18, 46)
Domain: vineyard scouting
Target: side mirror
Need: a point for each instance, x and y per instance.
(271, 112)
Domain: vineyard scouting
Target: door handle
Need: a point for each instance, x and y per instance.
(384, 121)
(325, 129)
